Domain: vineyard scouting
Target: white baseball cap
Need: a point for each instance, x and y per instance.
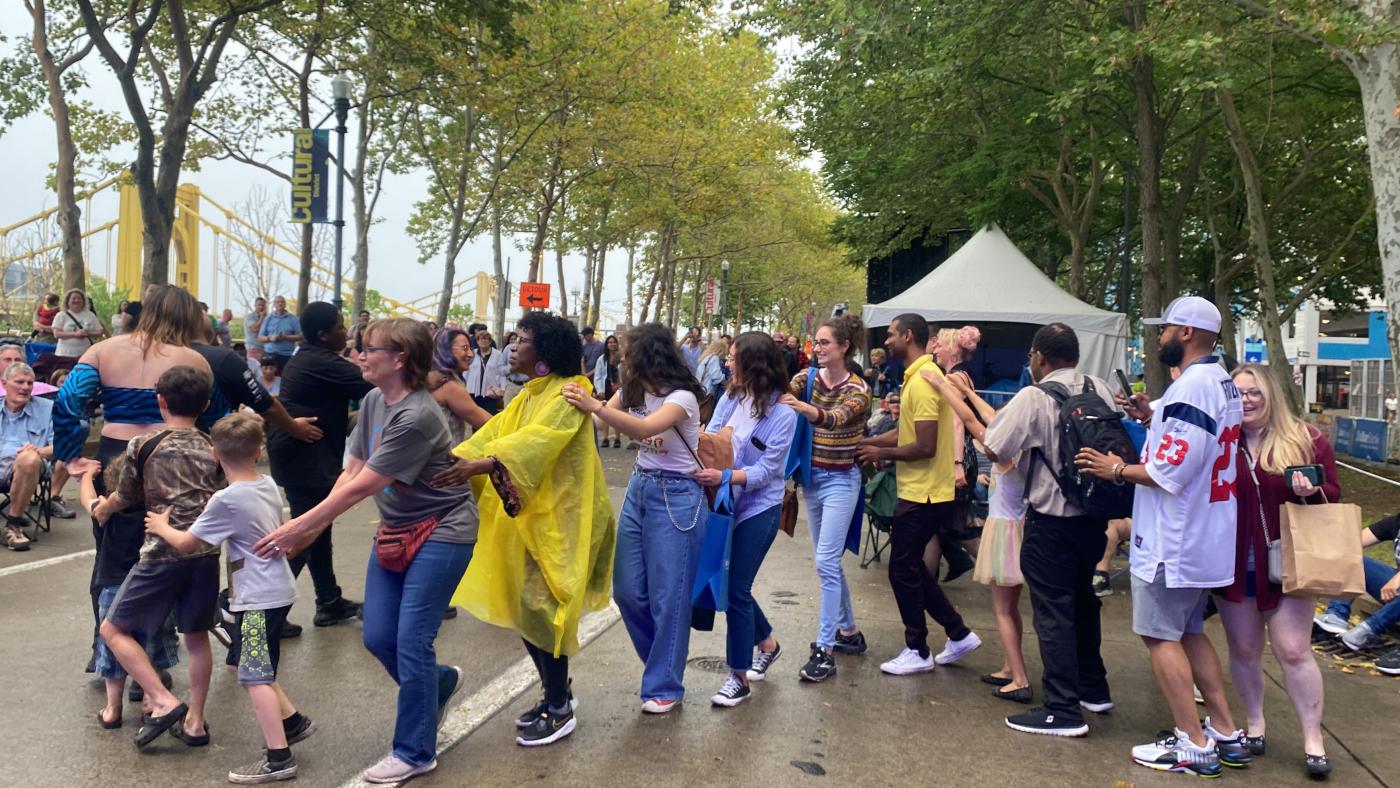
(1191, 311)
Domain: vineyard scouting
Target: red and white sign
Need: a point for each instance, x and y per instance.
(711, 296)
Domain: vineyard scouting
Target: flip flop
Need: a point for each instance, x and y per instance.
(110, 725)
(160, 724)
(178, 731)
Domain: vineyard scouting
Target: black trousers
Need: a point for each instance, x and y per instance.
(916, 589)
(1058, 555)
(320, 555)
(554, 674)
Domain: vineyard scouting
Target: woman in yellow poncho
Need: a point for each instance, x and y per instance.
(545, 551)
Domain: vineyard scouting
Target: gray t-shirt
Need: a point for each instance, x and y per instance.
(241, 514)
(409, 442)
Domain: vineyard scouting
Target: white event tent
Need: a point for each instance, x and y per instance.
(988, 280)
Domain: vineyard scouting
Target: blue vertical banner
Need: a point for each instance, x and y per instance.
(311, 149)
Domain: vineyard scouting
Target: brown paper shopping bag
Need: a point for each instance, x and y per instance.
(1322, 550)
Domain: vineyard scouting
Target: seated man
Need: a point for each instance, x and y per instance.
(26, 447)
(1382, 583)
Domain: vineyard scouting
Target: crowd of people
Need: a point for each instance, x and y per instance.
(484, 464)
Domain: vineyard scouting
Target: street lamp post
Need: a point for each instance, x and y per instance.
(578, 306)
(340, 88)
(723, 293)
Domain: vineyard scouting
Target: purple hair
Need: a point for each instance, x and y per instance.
(443, 360)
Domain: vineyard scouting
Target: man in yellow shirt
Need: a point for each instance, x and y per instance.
(923, 458)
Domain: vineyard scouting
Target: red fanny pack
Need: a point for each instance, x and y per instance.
(396, 545)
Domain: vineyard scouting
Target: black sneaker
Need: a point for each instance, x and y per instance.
(290, 630)
(763, 660)
(820, 667)
(264, 772)
(340, 610)
(1389, 663)
(1102, 586)
(732, 693)
(530, 717)
(548, 729)
(302, 731)
(448, 695)
(1039, 720)
(850, 644)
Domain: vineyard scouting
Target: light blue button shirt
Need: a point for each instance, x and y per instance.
(32, 424)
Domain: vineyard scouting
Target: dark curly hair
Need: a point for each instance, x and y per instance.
(653, 365)
(760, 371)
(557, 342)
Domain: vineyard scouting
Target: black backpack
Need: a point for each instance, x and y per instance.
(1086, 421)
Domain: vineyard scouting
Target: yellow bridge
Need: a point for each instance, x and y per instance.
(190, 218)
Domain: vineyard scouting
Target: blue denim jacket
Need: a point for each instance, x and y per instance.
(763, 458)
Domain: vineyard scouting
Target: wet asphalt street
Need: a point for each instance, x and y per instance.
(858, 728)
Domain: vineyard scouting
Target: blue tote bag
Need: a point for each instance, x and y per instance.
(711, 589)
(799, 466)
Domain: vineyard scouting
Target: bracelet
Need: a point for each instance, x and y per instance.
(1117, 473)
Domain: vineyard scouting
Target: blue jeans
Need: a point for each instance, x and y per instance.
(831, 503)
(658, 547)
(1377, 575)
(402, 613)
(744, 621)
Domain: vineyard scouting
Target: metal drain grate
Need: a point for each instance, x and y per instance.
(709, 664)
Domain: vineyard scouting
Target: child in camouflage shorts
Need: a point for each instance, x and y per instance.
(261, 590)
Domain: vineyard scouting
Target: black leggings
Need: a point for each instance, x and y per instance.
(554, 674)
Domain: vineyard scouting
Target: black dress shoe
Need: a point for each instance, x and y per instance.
(1318, 766)
(1020, 695)
(290, 630)
(996, 681)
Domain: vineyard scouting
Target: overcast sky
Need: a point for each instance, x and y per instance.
(28, 150)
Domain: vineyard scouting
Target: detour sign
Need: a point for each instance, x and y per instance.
(534, 295)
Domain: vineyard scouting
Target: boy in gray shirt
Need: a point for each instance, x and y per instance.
(261, 590)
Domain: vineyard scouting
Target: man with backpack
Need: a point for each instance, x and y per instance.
(1042, 427)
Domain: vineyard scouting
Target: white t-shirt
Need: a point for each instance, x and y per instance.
(241, 514)
(664, 452)
(1187, 523)
(75, 321)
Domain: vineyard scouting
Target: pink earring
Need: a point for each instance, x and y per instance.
(541, 369)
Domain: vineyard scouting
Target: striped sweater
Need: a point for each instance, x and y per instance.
(842, 425)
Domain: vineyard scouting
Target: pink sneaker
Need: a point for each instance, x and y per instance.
(393, 770)
(659, 705)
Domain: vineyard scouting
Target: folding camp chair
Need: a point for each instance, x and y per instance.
(880, 497)
(39, 519)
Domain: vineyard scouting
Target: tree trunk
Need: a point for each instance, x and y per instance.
(359, 259)
(1149, 200)
(1259, 244)
(631, 279)
(69, 215)
(498, 265)
(308, 235)
(595, 315)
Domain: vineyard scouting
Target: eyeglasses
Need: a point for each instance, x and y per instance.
(367, 349)
(1251, 394)
(824, 342)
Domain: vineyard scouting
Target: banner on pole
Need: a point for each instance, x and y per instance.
(711, 296)
(311, 150)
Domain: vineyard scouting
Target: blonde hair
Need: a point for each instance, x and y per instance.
(1287, 439)
(718, 348)
(238, 436)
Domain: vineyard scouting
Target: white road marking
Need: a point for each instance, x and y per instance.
(58, 559)
(462, 721)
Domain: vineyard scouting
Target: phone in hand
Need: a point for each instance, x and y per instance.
(1123, 382)
(1312, 472)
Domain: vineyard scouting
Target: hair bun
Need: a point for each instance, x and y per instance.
(969, 337)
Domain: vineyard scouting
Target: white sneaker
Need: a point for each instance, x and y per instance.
(908, 662)
(1173, 752)
(955, 650)
(1331, 623)
(394, 770)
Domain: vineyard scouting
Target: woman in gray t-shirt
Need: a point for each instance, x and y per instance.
(400, 443)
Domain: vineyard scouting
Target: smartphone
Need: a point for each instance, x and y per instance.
(1123, 381)
(1312, 472)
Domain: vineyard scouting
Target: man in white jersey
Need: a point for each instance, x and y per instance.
(1183, 539)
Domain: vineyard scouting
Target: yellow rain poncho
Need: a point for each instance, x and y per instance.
(538, 572)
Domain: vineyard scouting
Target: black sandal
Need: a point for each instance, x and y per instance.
(1019, 695)
(106, 724)
(160, 724)
(201, 740)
